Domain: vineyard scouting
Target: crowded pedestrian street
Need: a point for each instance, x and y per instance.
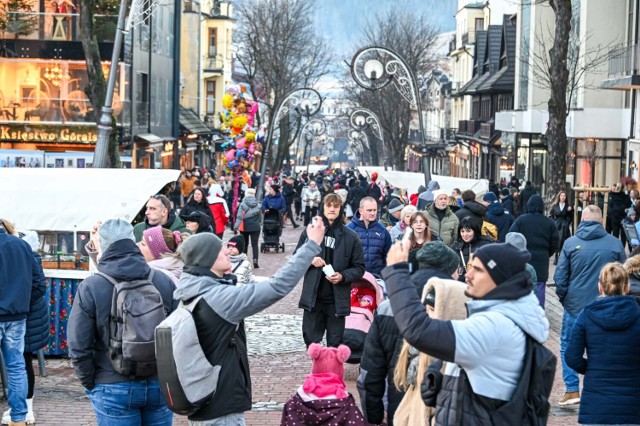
(277, 356)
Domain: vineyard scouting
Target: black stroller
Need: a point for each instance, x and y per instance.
(271, 231)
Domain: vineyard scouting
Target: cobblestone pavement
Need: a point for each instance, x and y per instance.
(277, 358)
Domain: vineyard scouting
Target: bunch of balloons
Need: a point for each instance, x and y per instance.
(237, 121)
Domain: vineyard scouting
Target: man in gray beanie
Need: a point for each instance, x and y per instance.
(489, 345)
(88, 330)
(519, 241)
(223, 306)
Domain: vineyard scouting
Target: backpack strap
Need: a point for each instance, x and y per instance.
(115, 282)
(236, 268)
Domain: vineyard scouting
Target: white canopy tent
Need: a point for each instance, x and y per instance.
(411, 181)
(45, 199)
(313, 168)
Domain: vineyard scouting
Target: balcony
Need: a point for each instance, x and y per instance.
(468, 38)
(486, 130)
(448, 134)
(468, 127)
(56, 27)
(624, 68)
(214, 65)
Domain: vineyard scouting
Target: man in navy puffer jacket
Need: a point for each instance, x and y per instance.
(498, 215)
(375, 239)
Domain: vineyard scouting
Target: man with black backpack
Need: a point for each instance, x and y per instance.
(497, 371)
(111, 331)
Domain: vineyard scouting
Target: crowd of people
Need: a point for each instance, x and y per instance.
(465, 278)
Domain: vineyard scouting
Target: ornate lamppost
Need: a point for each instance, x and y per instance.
(375, 67)
(303, 101)
(359, 141)
(312, 129)
(362, 119)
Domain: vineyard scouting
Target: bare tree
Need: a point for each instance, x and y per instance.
(412, 37)
(280, 52)
(592, 151)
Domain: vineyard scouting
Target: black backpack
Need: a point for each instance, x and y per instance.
(529, 405)
(136, 309)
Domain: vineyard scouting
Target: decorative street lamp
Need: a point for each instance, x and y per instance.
(362, 119)
(359, 141)
(375, 67)
(312, 129)
(303, 101)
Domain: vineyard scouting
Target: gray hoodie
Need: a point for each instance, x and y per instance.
(249, 211)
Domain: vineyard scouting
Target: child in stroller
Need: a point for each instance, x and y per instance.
(366, 295)
(271, 231)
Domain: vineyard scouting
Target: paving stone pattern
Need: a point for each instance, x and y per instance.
(277, 358)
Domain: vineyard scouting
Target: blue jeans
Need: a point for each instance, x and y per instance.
(135, 403)
(541, 288)
(12, 345)
(235, 419)
(569, 376)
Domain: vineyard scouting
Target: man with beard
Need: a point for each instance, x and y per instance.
(326, 290)
(159, 212)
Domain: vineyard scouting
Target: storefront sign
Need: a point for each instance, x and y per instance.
(34, 133)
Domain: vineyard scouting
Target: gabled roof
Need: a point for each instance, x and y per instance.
(504, 79)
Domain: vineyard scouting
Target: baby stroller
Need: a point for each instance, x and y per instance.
(271, 231)
(357, 324)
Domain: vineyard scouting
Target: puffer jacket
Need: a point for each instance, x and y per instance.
(251, 213)
(447, 229)
(242, 269)
(489, 345)
(541, 234)
(501, 218)
(375, 240)
(426, 197)
(37, 334)
(609, 330)
(219, 321)
(474, 210)
(580, 262)
(18, 274)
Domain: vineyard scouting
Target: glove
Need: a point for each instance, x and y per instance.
(431, 383)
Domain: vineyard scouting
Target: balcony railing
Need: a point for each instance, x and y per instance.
(215, 64)
(486, 130)
(468, 38)
(55, 26)
(624, 60)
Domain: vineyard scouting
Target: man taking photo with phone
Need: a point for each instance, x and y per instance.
(326, 290)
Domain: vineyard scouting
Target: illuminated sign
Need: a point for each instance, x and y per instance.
(33, 133)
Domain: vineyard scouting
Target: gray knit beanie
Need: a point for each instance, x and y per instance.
(438, 256)
(516, 239)
(114, 230)
(200, 250)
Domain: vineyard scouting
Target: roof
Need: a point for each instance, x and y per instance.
(190, 121)
(476, 5)
(503, 79)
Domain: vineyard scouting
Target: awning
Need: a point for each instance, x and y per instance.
(191, 123)
(43, 199)
(149, 137)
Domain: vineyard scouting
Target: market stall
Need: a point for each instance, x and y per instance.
(62, 205)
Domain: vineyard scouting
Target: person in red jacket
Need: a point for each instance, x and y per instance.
(219, 209)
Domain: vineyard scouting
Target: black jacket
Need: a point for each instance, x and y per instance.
(37, 334)
(525, 194)
(474, 210)
(356, 194)
(87, 332)
(507, 203)
(348, 259)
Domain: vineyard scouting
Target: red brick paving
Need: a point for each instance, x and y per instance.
(60, 399)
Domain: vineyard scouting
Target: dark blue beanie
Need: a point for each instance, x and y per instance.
(502, 260)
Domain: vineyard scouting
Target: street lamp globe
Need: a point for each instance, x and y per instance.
(373, 69)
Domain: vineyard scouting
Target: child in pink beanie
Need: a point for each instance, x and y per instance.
(323, 399)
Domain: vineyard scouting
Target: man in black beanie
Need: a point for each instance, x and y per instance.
(489, 345)
(219, 313)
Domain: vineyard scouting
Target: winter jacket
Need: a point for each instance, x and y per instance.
(274, 202)
(632, 265)
(541, 235)
(37, 334)
(609, 331)
(186, 185)
(507, 203)
(425, 198)
(302, 409)
(20, 279)
(220, 212)
(447, 229)
(489, 345)
(192, 206)
(619, 202)
(310, 198)
(502, 219)
(374, 191)
(170, 265)
(348, 260)
(288, 192)
(251, 213)
(88, 327)
(523, 200)
(388, 219)
(474, 210)
(375, 240)
(242, 269)
(580, 262)
(218, 317)
(343, 195)
(356, 194)
(174, 223)
(465, 250)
